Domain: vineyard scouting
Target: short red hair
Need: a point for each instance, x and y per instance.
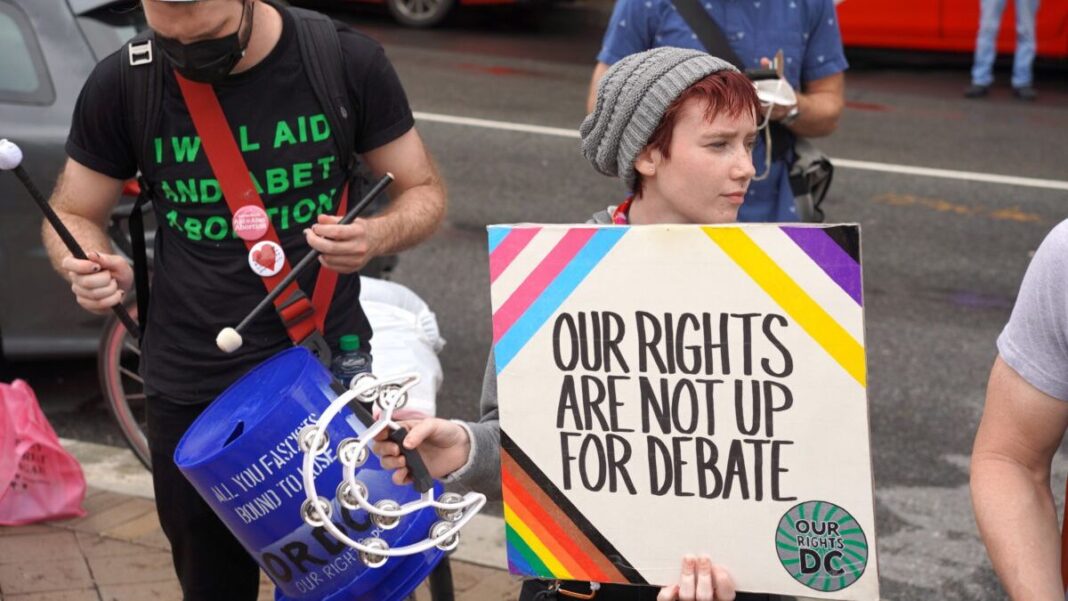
(723, 91)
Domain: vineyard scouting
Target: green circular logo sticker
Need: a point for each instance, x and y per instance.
(821, 546)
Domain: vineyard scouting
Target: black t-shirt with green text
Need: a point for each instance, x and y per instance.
(202, 281)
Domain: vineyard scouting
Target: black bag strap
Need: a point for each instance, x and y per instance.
(141, 79)
(320, 50)
(708, 31)
(140, 253)
(715, 42)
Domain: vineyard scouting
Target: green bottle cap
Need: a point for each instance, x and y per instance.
(349, 342)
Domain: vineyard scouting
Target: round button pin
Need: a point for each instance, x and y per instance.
(822, 546)
(266, 258)
(250, 223)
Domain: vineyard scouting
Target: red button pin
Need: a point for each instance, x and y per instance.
(250, 223)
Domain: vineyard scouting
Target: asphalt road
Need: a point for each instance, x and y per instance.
(943, 256)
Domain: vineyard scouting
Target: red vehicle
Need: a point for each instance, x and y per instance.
(944, 25)
(427, 13)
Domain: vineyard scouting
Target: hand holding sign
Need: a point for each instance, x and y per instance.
(700, 579)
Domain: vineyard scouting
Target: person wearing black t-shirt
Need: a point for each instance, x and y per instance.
(202, 279)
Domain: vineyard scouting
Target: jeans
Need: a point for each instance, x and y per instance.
(986, 42)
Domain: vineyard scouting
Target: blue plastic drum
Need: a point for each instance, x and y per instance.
(243, 456)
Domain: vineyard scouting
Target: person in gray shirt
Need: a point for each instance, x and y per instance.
(1024, 420)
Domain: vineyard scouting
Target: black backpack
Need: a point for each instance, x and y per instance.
(141, 78)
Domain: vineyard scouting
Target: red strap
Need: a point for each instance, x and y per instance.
(239, 191)
(621, 216)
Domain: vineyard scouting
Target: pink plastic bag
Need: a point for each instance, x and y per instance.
(9, 464)
(40, 480)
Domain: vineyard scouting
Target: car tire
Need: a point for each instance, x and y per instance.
(420, 13)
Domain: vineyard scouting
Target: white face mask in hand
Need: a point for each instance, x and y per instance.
(775, 91)
(772, 92)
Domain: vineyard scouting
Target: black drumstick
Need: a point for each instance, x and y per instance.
(11, 160)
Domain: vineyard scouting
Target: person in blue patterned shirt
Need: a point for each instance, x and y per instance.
(807, 33)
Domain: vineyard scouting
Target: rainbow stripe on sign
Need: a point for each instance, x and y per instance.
(545, 281)
(545, 534)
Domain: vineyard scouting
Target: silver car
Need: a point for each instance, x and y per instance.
(47, 50)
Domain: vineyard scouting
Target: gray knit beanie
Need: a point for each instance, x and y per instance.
(631, 99)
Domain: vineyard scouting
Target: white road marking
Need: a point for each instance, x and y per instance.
(502, 125)
(969, 176)
(1008, 180)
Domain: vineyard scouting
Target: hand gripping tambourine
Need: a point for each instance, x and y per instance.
(388, 394)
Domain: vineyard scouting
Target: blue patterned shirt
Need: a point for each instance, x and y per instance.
(805, 30)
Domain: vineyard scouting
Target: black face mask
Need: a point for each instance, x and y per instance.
(207, 61)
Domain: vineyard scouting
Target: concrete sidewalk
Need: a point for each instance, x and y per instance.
(117, 552)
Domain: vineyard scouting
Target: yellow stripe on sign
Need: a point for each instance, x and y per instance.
(535, 544)
(842, 347)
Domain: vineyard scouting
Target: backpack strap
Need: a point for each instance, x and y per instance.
(141, 80)
(324, 63)
(320, 50)
(140, 254)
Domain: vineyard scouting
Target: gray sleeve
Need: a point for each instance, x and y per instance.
(482, 472)
(1035, 341)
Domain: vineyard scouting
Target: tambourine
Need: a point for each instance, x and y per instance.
(283, 460)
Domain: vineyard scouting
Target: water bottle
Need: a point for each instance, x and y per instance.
(351, 361)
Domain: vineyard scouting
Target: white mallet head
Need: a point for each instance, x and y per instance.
(10, 155)
(228, 340)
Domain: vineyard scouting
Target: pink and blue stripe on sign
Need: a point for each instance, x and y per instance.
(507, 247)
(496, 236)
(547, 285)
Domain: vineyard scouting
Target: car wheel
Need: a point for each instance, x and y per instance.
(419, 13)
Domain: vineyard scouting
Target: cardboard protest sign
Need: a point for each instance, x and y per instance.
(679, 389)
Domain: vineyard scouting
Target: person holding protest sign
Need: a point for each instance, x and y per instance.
(811, 87)
(678, 126)
(1024, 421)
